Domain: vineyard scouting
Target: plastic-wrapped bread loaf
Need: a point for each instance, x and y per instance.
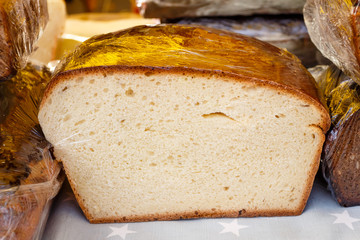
(203, 8)
(334, 29)
(288, 32)
(46, 46)
(21, 22)
(29, 177)
(171, 122)
(341, 153)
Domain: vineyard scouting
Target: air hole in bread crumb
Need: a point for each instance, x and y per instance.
(64, 89)
(152, 103)
(106, 90)
(91, 133)
(95, 95)
(92, 81)
(226, 188)
(67, 117)
(313, 135)
(80, 122)
(170, 157)
(129, 92)
(151, 153)
(153, 164)
(91, 149)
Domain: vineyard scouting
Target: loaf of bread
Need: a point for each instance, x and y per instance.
(45, 47)
(283, 31)
(29, 177)
(341, 153)
(173, 122)
(21, 23)
(207, 8)
(334, 29)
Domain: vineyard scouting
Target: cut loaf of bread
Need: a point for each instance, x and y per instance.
(142, 142)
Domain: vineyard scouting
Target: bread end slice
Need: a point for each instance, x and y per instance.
(143, 144)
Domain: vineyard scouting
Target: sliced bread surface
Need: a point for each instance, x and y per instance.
(142, 143)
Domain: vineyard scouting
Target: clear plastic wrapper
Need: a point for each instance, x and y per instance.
(201, 8)
(21, 24)
(285, 31)
(341, 152)
(29, 177)
(46, 46)
(334, 29)
(183, 46)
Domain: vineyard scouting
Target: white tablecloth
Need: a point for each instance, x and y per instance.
(323, 218)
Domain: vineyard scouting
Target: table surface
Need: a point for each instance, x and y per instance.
(323, 218)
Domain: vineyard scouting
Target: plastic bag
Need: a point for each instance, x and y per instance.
(29, 177)
(341, 152)
(287, 32)
(334, 29)
(199, 8)
(183, 46)
(21, 24)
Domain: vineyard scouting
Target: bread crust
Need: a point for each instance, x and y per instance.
(341, 152)
(322, 127)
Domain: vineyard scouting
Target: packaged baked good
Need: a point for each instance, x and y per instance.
(21, 23)
(334, 29)
(29, 176)
(171, 121)
(341, 153)
(46, 47)
(203, 8)
(284, 31)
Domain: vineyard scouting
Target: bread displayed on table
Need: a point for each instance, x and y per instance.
(333, 27)
(341, 153)
(174, 122)
(201, 8)
(29, 177)
(21, 22)
(284, 31)
(46, 46)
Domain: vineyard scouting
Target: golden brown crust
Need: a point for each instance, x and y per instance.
(295, 92)
(107, 70)
(197, 48)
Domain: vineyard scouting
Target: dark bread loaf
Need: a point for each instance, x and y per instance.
(341, 152)
(341, 161)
